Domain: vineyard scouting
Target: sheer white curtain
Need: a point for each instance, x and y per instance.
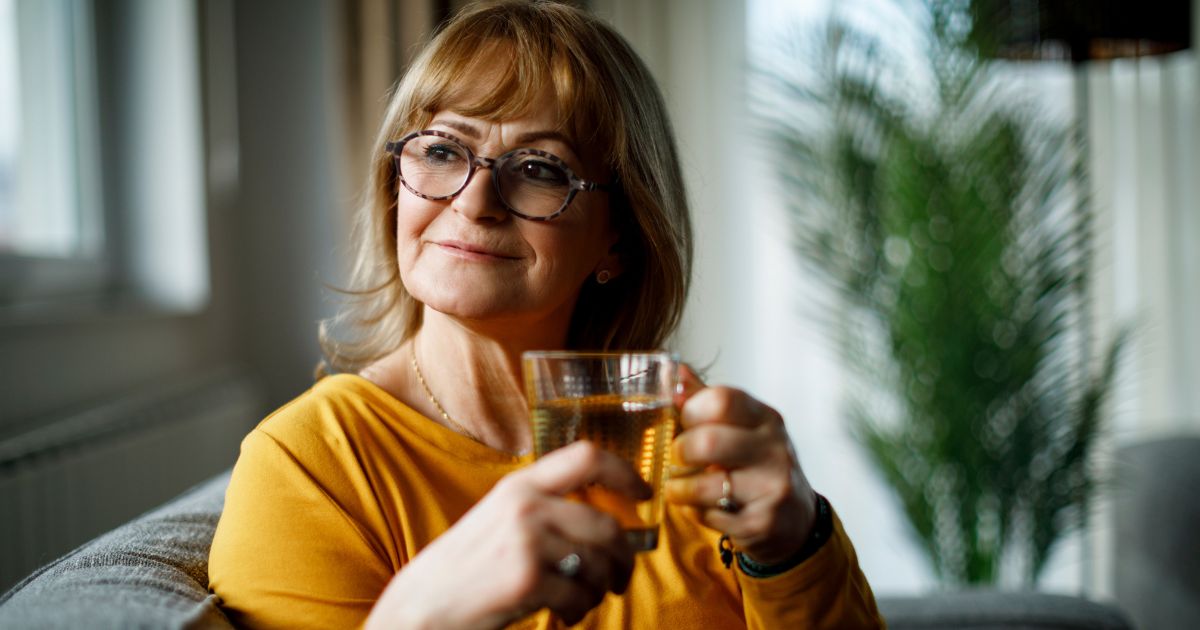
(375, 39)
(696, 50)
(1145, 163)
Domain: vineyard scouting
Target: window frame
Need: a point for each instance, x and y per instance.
(142, 174)
(86, 275)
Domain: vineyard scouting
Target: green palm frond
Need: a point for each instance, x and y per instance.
(950, 224)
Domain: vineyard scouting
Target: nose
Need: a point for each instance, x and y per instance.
(478, 200)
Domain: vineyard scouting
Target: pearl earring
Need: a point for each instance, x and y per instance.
(603, 276)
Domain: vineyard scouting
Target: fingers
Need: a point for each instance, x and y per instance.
(582, 463)
(568, 527)
(583, 525)
(734, 437)
(722, 445)
(727, 405)
(569, 598)
(602, 568)
(749, 491)
(605, 559)
(704, 491)
(689, 384)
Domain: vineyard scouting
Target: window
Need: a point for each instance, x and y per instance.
(51, 215)
(10, 117)
(101, 156)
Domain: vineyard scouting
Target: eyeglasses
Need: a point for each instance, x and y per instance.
(532, 184)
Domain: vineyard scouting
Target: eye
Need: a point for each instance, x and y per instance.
(442, 153)
(542, 172)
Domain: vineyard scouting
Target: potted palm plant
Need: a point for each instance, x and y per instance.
(948, 216)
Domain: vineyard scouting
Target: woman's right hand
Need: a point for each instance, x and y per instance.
(499, 562)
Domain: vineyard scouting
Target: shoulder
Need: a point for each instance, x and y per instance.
(315, 445)
(298, 490)
(343, 416)
(330, 408)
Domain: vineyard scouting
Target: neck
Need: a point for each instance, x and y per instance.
(474, 372)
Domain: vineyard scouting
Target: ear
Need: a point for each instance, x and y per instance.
(611, 261)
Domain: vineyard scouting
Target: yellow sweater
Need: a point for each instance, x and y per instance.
(336, 491)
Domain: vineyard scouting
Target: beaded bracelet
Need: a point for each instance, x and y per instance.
(821, 531)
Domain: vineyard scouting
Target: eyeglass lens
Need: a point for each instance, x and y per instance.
(530, 183)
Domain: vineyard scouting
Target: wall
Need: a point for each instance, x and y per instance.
(291, 214)
(260, 81)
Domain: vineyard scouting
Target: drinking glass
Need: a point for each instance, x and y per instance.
(623, 402)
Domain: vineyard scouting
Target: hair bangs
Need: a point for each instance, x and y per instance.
(513, 73)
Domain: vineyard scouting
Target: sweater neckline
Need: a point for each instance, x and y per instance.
(433, 432)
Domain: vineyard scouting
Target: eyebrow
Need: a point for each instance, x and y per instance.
(473, 133)
(464, 128)
(549, 134)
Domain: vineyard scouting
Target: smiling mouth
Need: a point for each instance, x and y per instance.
(470, 252)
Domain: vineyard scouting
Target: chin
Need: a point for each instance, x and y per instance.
(472, 312)
(484, 297)
(466, 302)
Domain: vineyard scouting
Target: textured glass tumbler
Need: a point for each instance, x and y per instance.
(622, 403)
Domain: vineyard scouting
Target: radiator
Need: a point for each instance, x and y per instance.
(70, 480)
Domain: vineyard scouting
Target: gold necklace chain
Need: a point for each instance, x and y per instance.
(437, 405)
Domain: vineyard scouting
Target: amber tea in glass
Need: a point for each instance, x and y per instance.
(621, 402)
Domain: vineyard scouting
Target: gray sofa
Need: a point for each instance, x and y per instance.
(149, 573)
(153, 572)
(1157, 513)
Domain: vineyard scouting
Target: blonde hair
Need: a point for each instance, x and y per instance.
(606, 99)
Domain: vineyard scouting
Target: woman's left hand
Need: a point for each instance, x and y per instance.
(727, 432)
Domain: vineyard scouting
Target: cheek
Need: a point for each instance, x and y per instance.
(413, 216)
(567, 259)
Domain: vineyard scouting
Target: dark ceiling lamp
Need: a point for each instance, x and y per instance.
(1083, 30)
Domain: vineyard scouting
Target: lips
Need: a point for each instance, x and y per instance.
(472, 250)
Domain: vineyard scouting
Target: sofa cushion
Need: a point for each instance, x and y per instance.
(149, 573)
(1156, 508)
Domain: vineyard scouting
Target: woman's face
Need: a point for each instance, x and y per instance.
(470, 258)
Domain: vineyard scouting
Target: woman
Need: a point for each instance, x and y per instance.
(525, 195)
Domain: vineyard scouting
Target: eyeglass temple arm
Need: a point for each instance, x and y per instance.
(587, 186)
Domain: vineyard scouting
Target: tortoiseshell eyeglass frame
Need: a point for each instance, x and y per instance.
(475, 162)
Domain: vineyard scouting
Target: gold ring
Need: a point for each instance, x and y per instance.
(726, 502)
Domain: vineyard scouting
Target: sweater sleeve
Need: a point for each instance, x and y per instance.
(827, 590)
(289, 550)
